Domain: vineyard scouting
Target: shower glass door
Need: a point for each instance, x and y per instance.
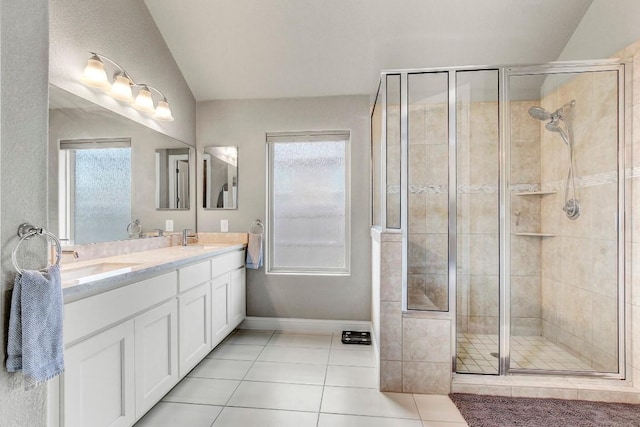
(478, 256)
(564, 207)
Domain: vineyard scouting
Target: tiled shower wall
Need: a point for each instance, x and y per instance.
(415, 351)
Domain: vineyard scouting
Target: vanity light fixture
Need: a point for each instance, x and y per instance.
(95, 75)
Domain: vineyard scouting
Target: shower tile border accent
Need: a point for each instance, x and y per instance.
(581, 182)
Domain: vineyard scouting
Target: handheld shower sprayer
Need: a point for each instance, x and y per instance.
(565, 115)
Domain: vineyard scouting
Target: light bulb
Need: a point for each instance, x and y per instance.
(144, 101)
(94, 74)
(121, 88)
(163, 112)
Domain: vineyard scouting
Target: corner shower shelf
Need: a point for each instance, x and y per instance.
(535, 234)
(535, 193)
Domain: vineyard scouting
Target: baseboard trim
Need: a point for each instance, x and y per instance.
(305, 325)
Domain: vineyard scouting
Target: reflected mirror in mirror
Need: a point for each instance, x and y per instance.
(220, 177)
(172, 178)
(103, 174)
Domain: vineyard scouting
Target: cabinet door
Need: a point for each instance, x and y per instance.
(156, 353)
(238, 303)
(220, 302)
(194, 326)
(98, 383)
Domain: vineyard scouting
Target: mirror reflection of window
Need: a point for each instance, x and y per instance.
(220, 177)
(95, 202)
(172, 178)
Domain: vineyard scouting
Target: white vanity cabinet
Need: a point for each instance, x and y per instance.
(127, 347)
(238, 303)
(98, 383)
(195, 314)
(156, 354)
(228, 294)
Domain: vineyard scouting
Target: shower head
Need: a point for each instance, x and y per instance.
(539, 113)
(554, 126)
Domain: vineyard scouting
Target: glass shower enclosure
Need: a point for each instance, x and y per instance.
(508, 186)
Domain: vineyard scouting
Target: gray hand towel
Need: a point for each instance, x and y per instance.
(35, 343)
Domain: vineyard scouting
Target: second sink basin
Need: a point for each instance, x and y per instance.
(92, 272)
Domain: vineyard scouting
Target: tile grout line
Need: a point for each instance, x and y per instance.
(324, 382)
(244, 376)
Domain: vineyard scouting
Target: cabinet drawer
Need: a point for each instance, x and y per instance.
(227, 262)
(193, 275)
(85, 316)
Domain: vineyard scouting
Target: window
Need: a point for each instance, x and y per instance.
(95, 200)
(308, 203)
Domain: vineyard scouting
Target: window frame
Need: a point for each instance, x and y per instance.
(272, 138)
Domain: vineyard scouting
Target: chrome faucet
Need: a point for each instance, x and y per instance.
(72, 252)
(186, 236)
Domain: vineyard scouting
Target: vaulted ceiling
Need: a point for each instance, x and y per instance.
(235, 49)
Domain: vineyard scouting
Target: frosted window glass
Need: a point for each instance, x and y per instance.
(309, 206)
(102, 196)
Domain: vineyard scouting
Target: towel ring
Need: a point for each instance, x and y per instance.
(257, 227)
(27, 231)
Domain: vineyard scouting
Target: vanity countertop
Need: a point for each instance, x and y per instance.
(81, 279)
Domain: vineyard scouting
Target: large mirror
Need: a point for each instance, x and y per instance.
(220, 177)
(105, 174)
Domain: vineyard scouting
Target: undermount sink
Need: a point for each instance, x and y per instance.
(92, 272)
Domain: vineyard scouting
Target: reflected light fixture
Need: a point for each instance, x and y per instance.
(123, 86)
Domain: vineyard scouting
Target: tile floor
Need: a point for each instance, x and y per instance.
(527, 352)
(270, 378)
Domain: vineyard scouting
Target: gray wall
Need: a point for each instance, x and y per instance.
(244, 123)
(124, 31)
(607, 26)
(23, 172)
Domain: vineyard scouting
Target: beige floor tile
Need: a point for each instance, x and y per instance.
(334, 420)
(300, 340)
(312, 356)
(435, 407)
(222, 369)
(352, 358)
(352, 376)
(202, 391)
(362, 401)
(236, 352)
(294, 373)
(251, 337)
(167, 414)
(293, 397)
(251, 417)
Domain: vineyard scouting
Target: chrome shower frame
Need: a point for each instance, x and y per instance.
(504, 73)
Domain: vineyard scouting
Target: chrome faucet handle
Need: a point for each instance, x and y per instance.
(185, 236)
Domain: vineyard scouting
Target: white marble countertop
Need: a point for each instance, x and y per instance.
(122, 270)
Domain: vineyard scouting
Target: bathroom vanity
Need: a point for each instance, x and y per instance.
(130, 336)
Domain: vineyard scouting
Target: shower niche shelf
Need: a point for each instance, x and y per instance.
(535, 234)
(535, 193)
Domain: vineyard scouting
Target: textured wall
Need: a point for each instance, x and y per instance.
(23, 173)
(245, 123)
(125, 32)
